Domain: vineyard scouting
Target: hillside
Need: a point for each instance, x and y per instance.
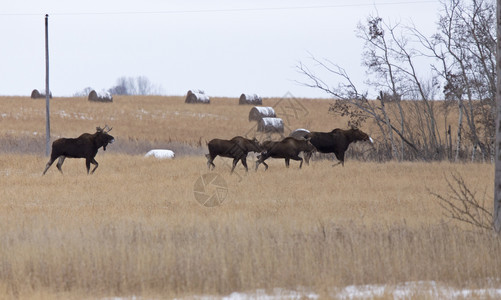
(144, 122)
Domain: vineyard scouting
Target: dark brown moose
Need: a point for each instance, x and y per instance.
(84, 146)
(236, 148)
(289, 148)
(337, 141)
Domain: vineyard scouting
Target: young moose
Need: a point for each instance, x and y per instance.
(84, 146)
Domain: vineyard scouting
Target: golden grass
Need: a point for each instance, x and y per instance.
(149, 118)
(135, 228)
(165, 119)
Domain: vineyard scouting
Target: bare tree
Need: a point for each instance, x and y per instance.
(465, 49)
(83, 93)
(497, 175)
(140, 85)
(461, 61)
(144, 86)
(462, 204)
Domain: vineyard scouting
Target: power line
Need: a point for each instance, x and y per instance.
(218, 10)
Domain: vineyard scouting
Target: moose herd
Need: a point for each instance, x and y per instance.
(336, 141)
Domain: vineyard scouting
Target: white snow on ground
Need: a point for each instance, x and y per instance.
(73, 115)
(160, 154)
(165, 114)
(408, 290)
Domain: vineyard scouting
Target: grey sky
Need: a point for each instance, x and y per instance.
(223, 47)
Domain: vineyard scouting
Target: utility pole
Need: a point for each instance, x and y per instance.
(47, 90)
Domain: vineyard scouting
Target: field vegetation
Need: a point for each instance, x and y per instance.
(135, 227)
(141, 122)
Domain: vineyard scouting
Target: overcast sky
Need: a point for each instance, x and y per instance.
(223, 47)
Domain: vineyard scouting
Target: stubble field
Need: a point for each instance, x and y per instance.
(135, 227)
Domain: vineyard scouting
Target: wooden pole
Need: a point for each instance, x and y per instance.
(47, 89)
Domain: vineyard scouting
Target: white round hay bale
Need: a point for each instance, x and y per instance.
(197, 96)
(253, 99)
(160, 154)
(270, 125)
(299, 133)
(258, 112)
(103, 96)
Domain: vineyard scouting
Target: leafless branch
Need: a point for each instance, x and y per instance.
(463, 205)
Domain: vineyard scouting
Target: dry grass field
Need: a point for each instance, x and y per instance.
(135, 227)
(142, 122)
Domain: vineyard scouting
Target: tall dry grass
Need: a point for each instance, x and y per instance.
(141, 123)
(135, 228)
(150, 118)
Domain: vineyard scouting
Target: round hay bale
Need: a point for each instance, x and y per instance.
(92, 96)
(160, 154)
(250, 99)
(299, 133)
(197, 96)
(258, 112)
(35, 94)
(271, 125)
(103, 96)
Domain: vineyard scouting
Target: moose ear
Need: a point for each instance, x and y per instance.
(99, 129)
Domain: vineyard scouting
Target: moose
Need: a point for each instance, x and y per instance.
(337, 141)
(236, 148)
(289, 148)
(84, 146)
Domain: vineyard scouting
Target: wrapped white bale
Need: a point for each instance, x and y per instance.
(299, 133)
(253, 99)
(160, 154)
(271, 125)
(102, 96)
(258, 112)
(197, 96)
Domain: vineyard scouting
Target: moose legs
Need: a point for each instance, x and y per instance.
(244, 162)
(210, 160)
(51, 161)
(60, 163)
(88, 161)
(287, 161)
(340, 157)
(264, 156)
(47, 166)
(260, 160)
